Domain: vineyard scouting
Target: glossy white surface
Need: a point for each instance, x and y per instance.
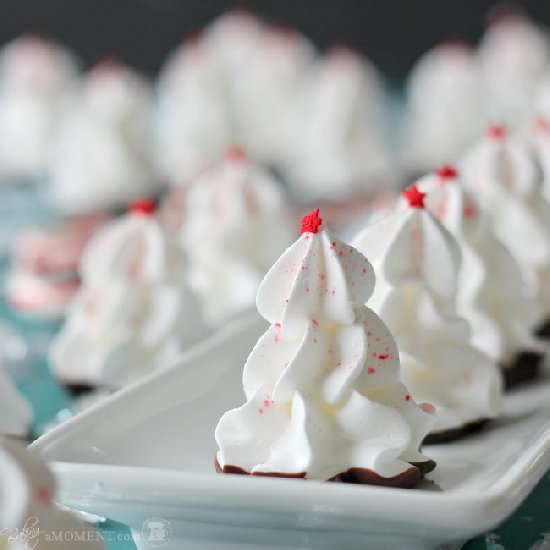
(148, 451)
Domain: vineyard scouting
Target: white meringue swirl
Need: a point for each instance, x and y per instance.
(324, 377)
(134, 311)
(491, 291)
(418, 262)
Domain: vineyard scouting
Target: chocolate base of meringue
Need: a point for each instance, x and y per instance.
(524, 367)
(80, 389)
(543, 330)
(447, 436)
(22, 439)
(407, 480)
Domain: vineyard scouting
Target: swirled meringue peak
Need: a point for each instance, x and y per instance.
(193, 126)
(514, 55)
(491, 291)
(338, 143)
(37, 80)
(502, 170)
(15, 412)
(324, 399)
(235, 223)
(101, 157)
(444, 112)
(134, 311)
(418, 264)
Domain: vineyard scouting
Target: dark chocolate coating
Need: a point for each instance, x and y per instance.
(543, 330)
(77, 390)
(455, 433)
(406, 480)
(23, 439)
(525, 366)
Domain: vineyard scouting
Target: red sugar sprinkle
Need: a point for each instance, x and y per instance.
(457, 42)
(142, 207)
(496, 132)
(446, 172)
(280, 31)
(193, 38)
(235, 154)
(407, 397)
(42, 495)
(427, 408)
(266, 403)
(107, 65)
(469, 211)
(542, 124)
(278, 325)
(370, 370)
(310, 222)
(383, 357)
(413, 196)
(261, 411)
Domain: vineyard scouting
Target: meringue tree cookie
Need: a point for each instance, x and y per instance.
(43, 276)
(234, 226)
(503, 172)
(134, 312)
(418, 264)
(193, 125)
(28, 516)
(324, 399)
(444, 111)
(37, 80)
(338, 146)
(263, 96)
(232, 39)
(514, 56)
(15, 412)
(101, 158)
(537, 131)
(491, 291)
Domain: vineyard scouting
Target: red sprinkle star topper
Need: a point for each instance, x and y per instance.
(496, 132)
(310, 222)
(446, 172)
(542, 124)
(107, 66)
(193, 38)
(413, 196)
(235, 154)
(142, 207)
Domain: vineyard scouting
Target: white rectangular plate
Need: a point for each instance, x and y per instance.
(148, 452)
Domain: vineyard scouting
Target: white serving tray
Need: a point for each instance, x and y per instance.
(147, 452)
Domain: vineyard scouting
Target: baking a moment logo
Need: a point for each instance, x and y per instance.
(156, 532)
(26, 537)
